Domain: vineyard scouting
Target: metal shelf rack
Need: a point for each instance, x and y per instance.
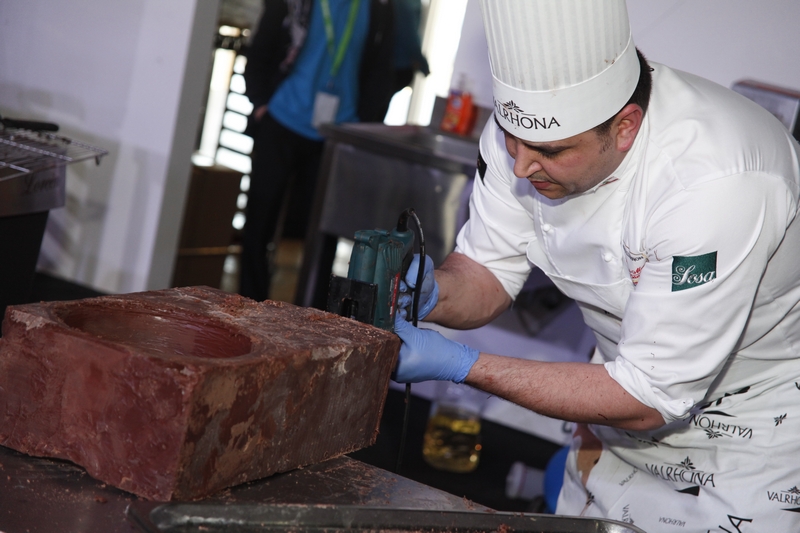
(25, 152)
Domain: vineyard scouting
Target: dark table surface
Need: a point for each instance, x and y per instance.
(341, 495)
(40, 495)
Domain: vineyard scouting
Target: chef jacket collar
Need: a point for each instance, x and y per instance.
(627, 168)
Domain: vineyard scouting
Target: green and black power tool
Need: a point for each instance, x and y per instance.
(378, 263)
(369, 293)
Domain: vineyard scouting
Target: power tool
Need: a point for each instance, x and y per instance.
(378, 263)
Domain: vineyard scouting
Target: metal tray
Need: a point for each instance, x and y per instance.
(32, 169)
(253, 518)
(25, 152)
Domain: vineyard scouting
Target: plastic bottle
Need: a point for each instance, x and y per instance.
(460, 113)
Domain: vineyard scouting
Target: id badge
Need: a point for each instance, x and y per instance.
(325, 107)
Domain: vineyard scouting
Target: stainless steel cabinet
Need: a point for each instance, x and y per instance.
(372, 172)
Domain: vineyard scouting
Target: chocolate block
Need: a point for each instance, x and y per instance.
(176, 394)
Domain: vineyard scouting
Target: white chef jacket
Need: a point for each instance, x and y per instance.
(686, 265)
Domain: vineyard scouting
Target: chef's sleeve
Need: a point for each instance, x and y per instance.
(499, 229)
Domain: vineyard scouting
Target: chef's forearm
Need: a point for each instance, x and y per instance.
(469, 294)
(578, 392)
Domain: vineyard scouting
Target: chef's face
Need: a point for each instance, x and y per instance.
(569, 166)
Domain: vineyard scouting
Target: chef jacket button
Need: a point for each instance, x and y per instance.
(547, 228)
(608, 257)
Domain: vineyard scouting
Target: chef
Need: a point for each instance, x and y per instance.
(665, 206)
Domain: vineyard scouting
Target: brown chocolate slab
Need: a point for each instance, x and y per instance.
(176, 394)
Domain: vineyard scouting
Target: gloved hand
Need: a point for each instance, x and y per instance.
(429, 294)
(427, 354)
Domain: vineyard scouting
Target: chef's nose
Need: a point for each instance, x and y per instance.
(526, 162)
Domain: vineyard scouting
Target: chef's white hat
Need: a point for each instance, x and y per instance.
(559, 67)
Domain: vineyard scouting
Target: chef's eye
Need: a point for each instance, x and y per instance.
(549, 153)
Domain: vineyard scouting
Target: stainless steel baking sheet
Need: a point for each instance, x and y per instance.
(253, 518)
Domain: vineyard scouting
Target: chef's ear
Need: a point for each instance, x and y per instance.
(627, 125)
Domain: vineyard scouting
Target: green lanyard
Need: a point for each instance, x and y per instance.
(338, 55)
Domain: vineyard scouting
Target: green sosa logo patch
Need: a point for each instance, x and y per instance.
(688, 272)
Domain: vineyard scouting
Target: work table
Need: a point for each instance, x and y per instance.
(40, 495)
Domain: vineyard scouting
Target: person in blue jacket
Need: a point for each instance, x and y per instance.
(310, 62)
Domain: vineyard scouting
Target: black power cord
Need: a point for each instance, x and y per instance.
(414, 314)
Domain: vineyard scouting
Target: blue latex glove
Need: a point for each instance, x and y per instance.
(427, 354)
(429, 295)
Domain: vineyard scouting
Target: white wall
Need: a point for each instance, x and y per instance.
(472, 58)
(128, 77)
(722, 40)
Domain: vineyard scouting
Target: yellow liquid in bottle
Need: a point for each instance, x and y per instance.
(452, 440)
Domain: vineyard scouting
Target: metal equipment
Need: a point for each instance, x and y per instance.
(28, 147)
(378, 263)
(384, 169)
(254, 518)
(32, 181)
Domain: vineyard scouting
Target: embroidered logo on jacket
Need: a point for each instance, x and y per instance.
(688, 272)
(636, 262)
